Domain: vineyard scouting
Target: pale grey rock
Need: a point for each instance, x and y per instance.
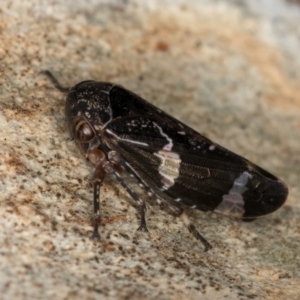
(230, 69)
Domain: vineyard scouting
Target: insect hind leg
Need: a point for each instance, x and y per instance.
(175, 210)
(178, 211)
(192, 229)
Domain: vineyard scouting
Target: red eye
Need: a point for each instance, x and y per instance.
(84, 132)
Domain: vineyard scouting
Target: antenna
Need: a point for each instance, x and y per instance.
(55, 81)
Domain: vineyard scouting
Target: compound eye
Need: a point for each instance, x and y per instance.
(84, 132)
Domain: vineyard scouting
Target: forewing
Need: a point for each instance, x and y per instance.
(185, 166)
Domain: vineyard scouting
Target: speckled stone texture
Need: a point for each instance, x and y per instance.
(229, 69)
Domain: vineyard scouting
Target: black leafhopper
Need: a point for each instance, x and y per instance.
(118, 131)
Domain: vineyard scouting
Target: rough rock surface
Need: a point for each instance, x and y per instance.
(230, 69)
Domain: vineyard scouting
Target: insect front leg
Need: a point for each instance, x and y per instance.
(103, 166)
(99, 175)
(139, 201)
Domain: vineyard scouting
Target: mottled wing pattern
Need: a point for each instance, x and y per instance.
(184, 165)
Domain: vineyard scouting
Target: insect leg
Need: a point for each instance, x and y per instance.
(140, 202)
(192, 229)
(98, 157)
(177, 211)
(99, 175)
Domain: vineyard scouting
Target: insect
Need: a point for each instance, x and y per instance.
(119, 132)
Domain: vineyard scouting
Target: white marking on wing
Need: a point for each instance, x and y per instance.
(126, 140)
(169, 167)
(169, 145)
(181, 132)
(233, 203)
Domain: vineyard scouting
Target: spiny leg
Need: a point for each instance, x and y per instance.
(99, 175)
(140, 202)
(177, 211)
(143, 226)
(191, 227)
(97, 217)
